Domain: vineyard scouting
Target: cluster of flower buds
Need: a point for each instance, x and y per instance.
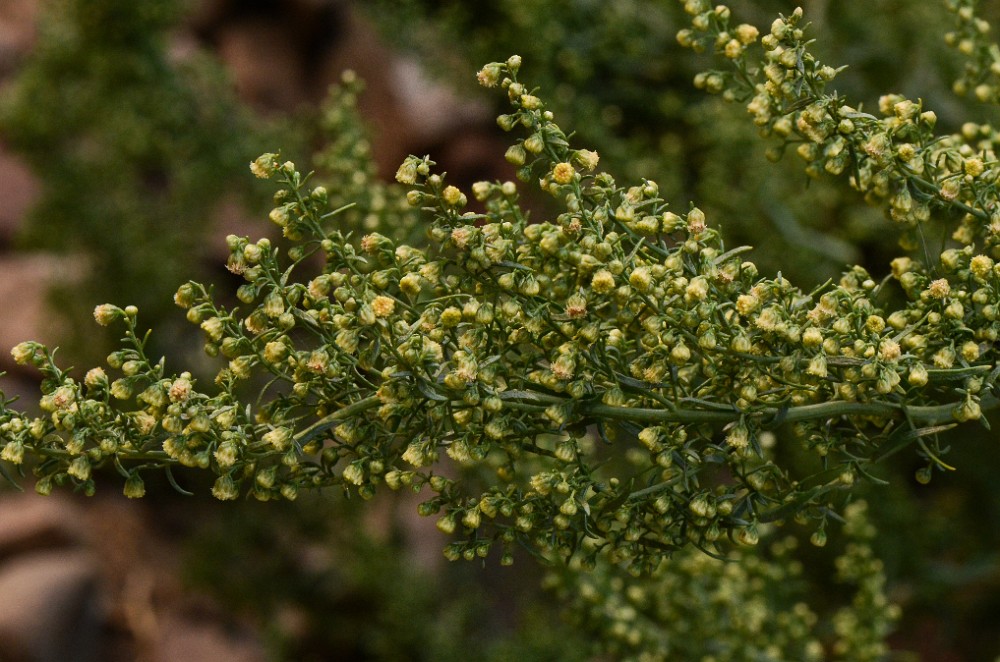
(754, 613)
(607, 381)
(981, 73)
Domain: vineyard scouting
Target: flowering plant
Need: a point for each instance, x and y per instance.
(610, 385)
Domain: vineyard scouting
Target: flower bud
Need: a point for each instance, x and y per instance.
(225, 489)
(489, 75)
(79, 468)
(264, 166)
(534, 143)
(23, 353)
(107, 313)
(446, 524)
(13, 452)
(44, 486)
(967, 411)
(471, 519)
(289, 491)
(134, 488)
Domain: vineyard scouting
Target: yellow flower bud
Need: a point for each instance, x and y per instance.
(225, 489)
(23, 353)
(602, 282)
(107, 313)
(563, 173)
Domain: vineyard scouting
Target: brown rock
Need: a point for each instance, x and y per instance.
(50, 611)
(30, 523)
(407, 110)
(18, 19)
(264, 63)
(19, 190)
(23, 291)
(184, 638)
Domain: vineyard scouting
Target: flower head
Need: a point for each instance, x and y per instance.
(107, 313)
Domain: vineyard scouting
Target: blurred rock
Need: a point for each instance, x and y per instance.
(273, 49)
(263, 63)
(17, 31)
(29, 523)
(184, 638)
(406, 109)
(50, 611)
(19, 190)
(23, 291)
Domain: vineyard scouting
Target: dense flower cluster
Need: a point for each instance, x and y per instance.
(610, 383)
(504, 342)
(981, 75)
(746, 608)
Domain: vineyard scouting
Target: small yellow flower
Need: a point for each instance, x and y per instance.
(939, 288)
(563, 173)
(747, 34)
(973, 167)
(453, 196)
(981, 265)
(226, 455)
(889, 350)
(407, 173)
(587, 159)
(225, 489)
(79, 468)
(263, 166)
(354, 474)
(738, 437)
(746, 304)
(134, 488)
(13, 452)
(180, 390)
(213, 327)
(383, 306)
(603, 281)
(23, 353)
(950, 189)
(489, 75)
(461, 236)
(106, 313)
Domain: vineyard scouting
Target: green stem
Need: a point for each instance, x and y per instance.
(932, 415)
(330, 420)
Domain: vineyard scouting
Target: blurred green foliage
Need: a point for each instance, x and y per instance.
(135, 146)
(323, 584)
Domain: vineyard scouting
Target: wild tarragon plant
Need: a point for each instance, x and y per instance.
(607, 381)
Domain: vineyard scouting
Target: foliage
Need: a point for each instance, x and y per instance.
(344, 164)
(129, 142)
(615, 73)
(607, 386)
(323, 585)
(749, 607)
